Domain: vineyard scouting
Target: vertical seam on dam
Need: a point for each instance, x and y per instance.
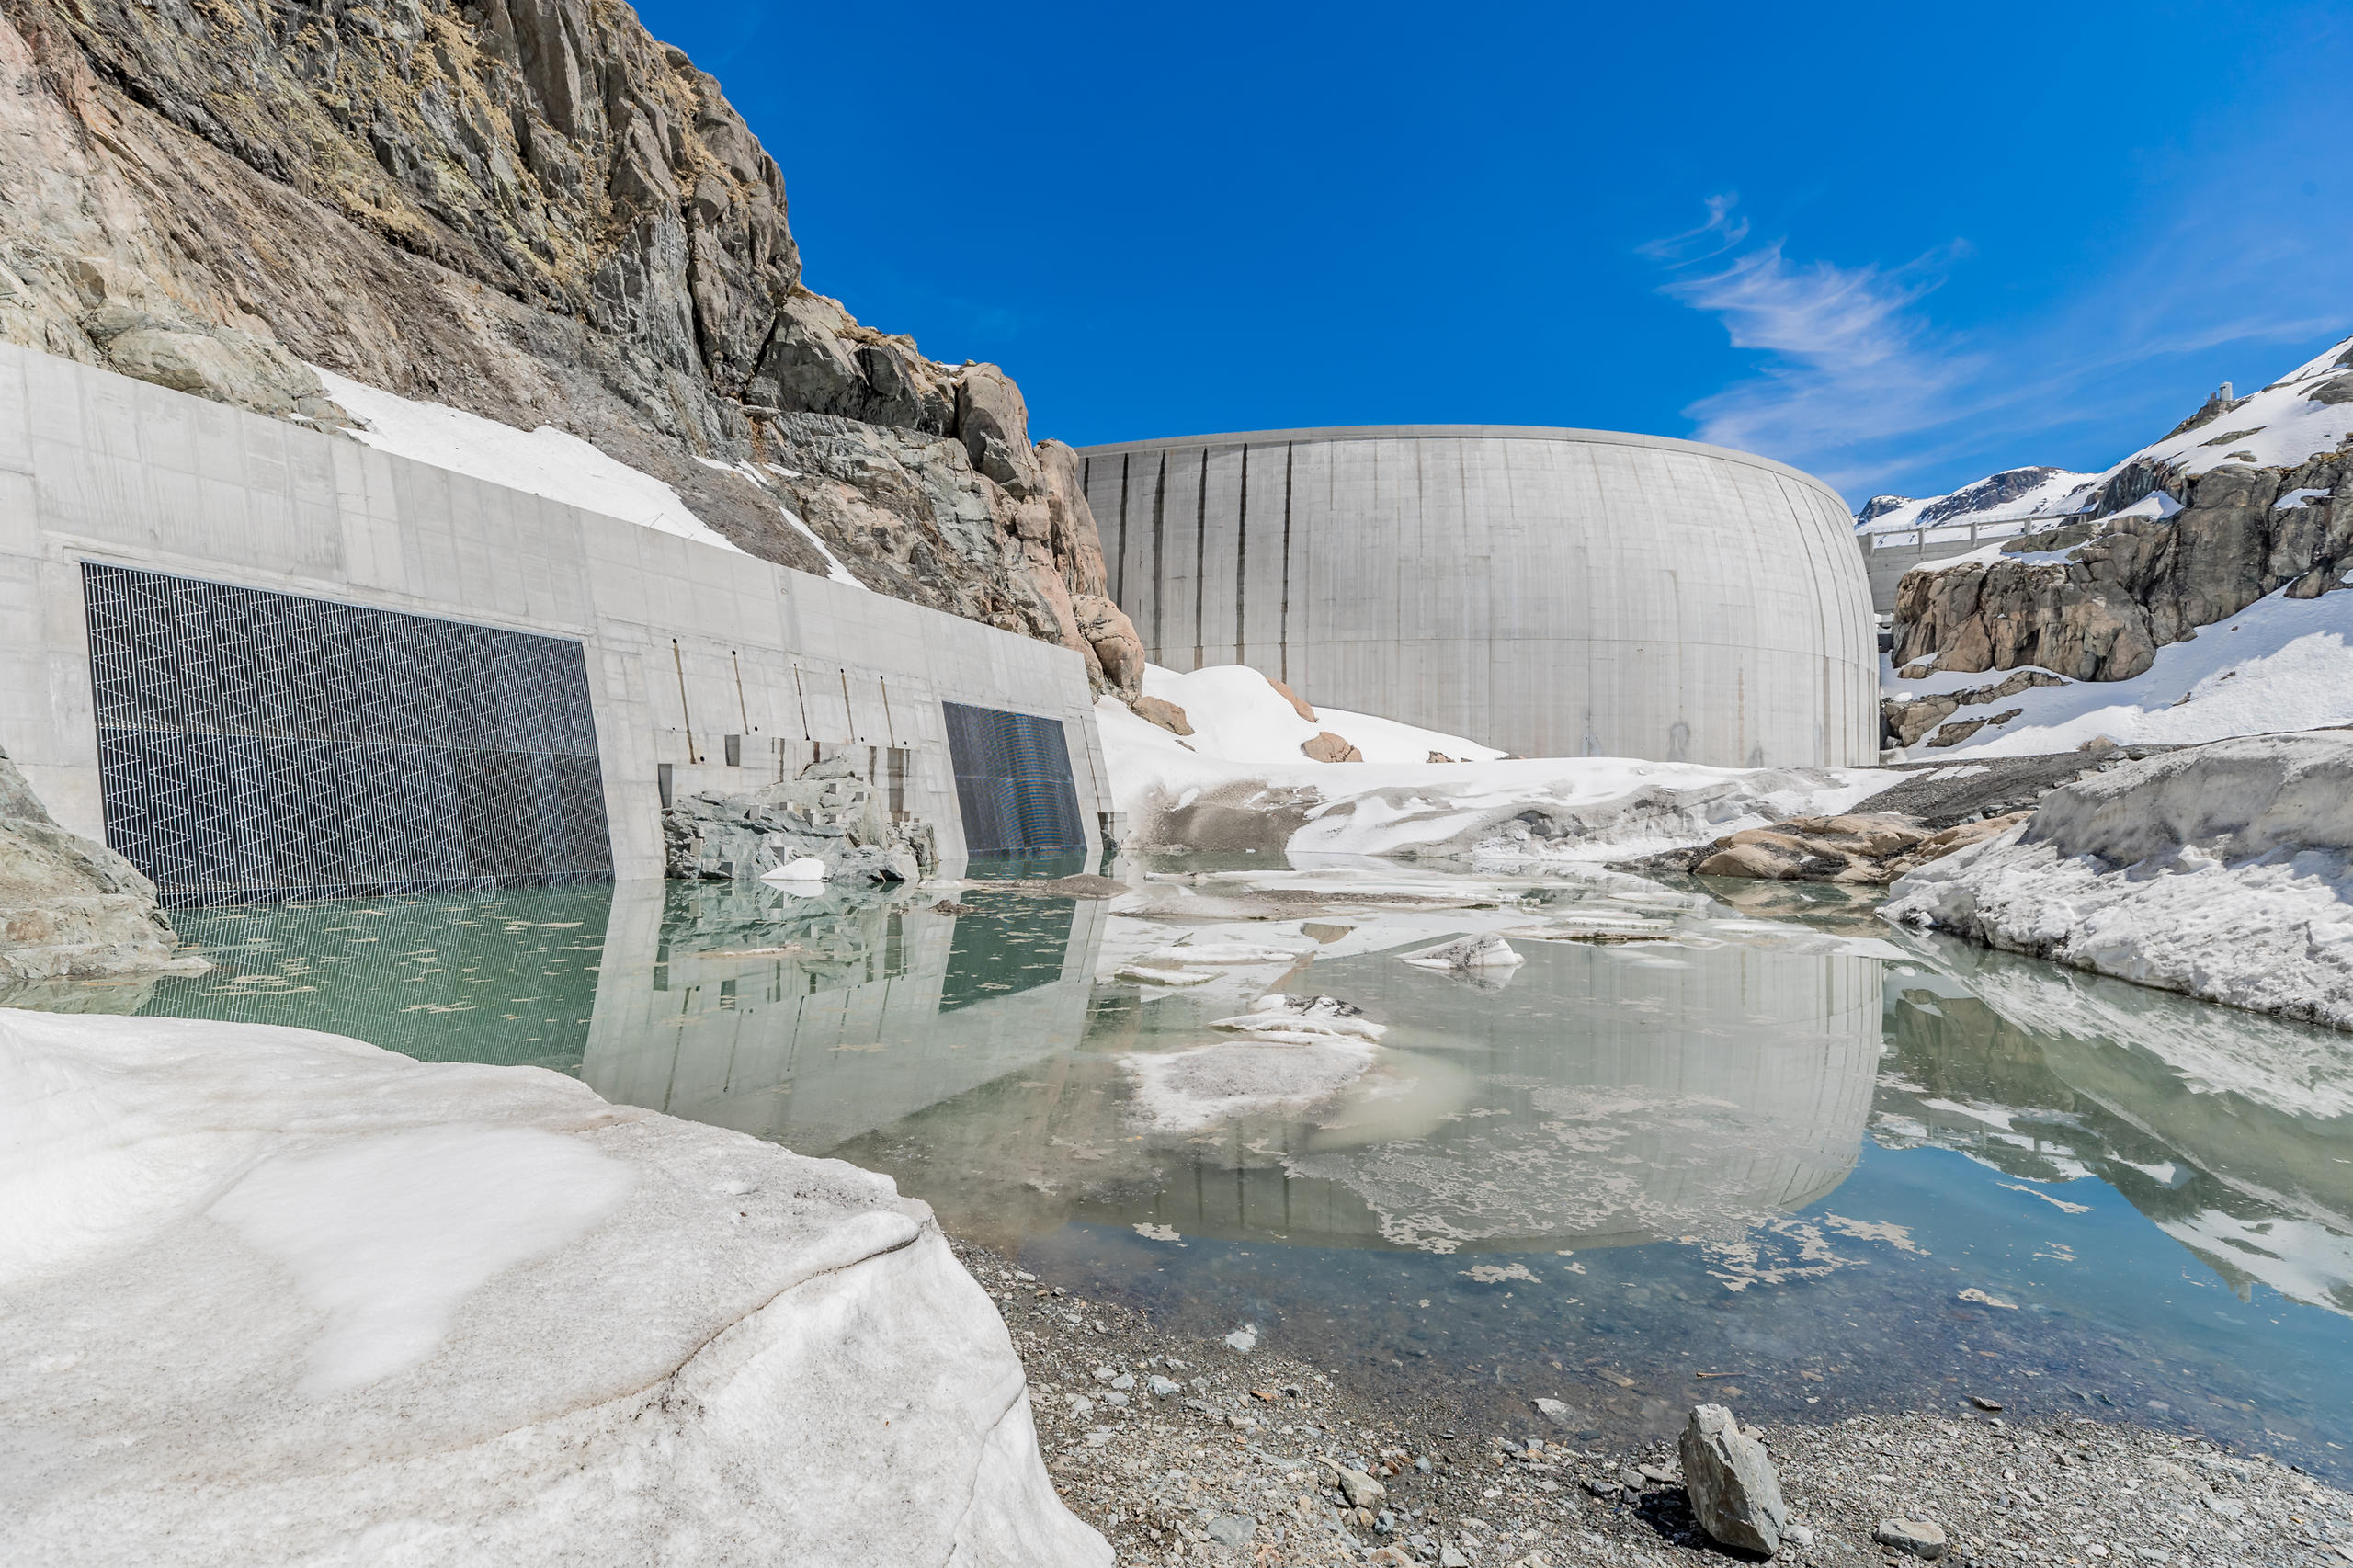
(1283, 629)
(1125, 457)
(1200, 551)
(1159, 559)
(1242, 557)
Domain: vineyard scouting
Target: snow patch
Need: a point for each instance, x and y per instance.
(2225, 872)
(546, 462)
(274, 1297)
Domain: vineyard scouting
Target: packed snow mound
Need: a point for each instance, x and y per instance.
(1516, 811)
(1238, 716)
(2279, 664)
(277, 1297)
(2224, 871)
(545, 462)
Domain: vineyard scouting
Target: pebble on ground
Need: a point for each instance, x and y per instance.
(1190, 1452)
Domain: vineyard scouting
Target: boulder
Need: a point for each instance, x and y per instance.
(1160, 711)
(829, 814)
(1298, 705)
(70, 907)
(1108, 631)
(1923, 1539)
(1736, 1493)
(1329, 748)
(354, 1304)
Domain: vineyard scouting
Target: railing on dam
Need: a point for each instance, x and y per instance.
(1970, 531)
(1888, 553)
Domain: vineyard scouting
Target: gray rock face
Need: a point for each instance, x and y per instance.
(69, 907)
(828, 813)
(1736, 1493)
(526, 209)
(2139, 583)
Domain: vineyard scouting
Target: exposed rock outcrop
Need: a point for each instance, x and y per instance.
(69, 907)
(1326, 746)
(829, 813)
(529, 209)
(1850, 848)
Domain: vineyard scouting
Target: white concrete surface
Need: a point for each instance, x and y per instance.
(685, 643)
(1553, 592)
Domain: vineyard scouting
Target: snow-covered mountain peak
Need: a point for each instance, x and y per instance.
(2013, 493)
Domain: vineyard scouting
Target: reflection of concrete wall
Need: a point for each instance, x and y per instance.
(1639, 1102)
(1557, 593)
(678, 635)
(813, 1049)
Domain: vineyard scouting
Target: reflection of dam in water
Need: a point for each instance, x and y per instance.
(1608, 1095)
(810, 1025)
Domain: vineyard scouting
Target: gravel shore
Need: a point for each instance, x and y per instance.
(1208, 1452)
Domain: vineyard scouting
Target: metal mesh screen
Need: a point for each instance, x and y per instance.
(259, 746)
(1013, 782)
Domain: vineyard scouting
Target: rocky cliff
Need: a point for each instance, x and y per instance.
(533, 210)
(2246, 498)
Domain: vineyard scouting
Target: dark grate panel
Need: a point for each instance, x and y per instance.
(257, 746)
(1013, 782)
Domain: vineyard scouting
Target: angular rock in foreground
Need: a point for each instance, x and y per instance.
(274, 1296)
(1734, 1490)
(828, 813)
(2221, 871)
(69, 907)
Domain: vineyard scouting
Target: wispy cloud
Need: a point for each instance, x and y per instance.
(1854, 360)
(1860, 384)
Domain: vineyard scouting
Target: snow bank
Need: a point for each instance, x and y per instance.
(545, 462)
(277, 1296)
(2222, 871)
(1237, 715)
(1498, 812)
(2280, 664)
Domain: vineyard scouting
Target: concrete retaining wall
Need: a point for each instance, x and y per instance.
(678, 636)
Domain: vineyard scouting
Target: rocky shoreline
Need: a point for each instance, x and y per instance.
(1203, 1451)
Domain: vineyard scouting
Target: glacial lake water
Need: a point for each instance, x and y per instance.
(1787, 1159)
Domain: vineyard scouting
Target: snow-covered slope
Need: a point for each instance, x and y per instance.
(2280, 664)
(2224, 871)
(274, 1297)
(1239, 782)
(2030, 493)
(2307, 412)
(1237, 716)
(545, 462)
(2278, 426)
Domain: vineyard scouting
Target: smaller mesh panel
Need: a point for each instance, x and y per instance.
(1013, 782)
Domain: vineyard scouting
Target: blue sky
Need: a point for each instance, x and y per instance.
(1898, 245)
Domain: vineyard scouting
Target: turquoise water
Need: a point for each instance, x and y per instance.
(1829, 1177)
